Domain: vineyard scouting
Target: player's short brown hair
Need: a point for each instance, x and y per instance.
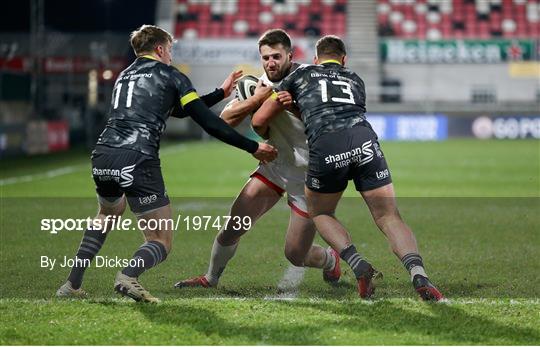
(331, 45)
(275, 36)
(147, 37)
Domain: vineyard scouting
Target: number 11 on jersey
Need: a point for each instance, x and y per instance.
(117, 92)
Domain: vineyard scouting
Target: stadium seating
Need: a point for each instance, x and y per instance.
(250, 18)
(459, 19)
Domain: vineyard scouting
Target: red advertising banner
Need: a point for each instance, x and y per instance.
(63, 64)
(58, 136)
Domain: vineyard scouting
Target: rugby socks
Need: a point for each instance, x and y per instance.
(147, 256)
(358, 265)
(413, 263)
(219, 258)
(330, 261)
(90, 245)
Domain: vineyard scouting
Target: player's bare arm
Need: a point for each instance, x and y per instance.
(269, 109)
(237, 110)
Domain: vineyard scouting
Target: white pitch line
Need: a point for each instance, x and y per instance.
(66, 170)
(313, 300)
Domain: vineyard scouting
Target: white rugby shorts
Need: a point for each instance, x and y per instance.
(283, 179)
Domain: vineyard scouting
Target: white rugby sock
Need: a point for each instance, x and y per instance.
(219, 258)
(414, 264)
(418, 270)
(330, 261)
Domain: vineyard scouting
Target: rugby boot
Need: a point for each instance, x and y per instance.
(66, 291)
(426, 289)
(366, 282)
(130, 286)
(195, 282)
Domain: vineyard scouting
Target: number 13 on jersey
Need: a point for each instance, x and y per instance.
(345, 89)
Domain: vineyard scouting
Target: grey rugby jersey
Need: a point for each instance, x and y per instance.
(330, 97)
(145, 95)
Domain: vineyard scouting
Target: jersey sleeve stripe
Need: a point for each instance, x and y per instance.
(189, 97)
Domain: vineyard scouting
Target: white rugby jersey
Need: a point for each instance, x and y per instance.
(286, 134)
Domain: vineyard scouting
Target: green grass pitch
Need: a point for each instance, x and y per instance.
(474, 207)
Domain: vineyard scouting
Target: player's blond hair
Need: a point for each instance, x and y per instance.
(146, 38)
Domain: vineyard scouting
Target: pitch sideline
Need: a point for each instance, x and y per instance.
(457, 301)
(66, 170)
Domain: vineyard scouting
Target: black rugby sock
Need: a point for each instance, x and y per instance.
(151, 253)
(358, 265)
(90, 245)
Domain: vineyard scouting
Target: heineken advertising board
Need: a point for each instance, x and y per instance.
(458, 51)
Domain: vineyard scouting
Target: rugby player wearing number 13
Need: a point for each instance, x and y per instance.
(342, 147)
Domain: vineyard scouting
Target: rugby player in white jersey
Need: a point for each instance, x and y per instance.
(271, 180)
(343, 147)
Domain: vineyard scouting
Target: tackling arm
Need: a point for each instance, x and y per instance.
(237, 110)
(209, 100)
(214, 97)
(216, 127)
(269, 109)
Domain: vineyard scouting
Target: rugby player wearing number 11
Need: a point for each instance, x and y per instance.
(343, 146)
(125, 162)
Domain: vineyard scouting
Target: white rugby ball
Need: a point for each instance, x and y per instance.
(245, 86)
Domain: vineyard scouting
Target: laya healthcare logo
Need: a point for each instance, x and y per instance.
(146, 200)
(381, 175)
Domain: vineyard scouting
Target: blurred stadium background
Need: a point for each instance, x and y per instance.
(434, 69)
(450, 72)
